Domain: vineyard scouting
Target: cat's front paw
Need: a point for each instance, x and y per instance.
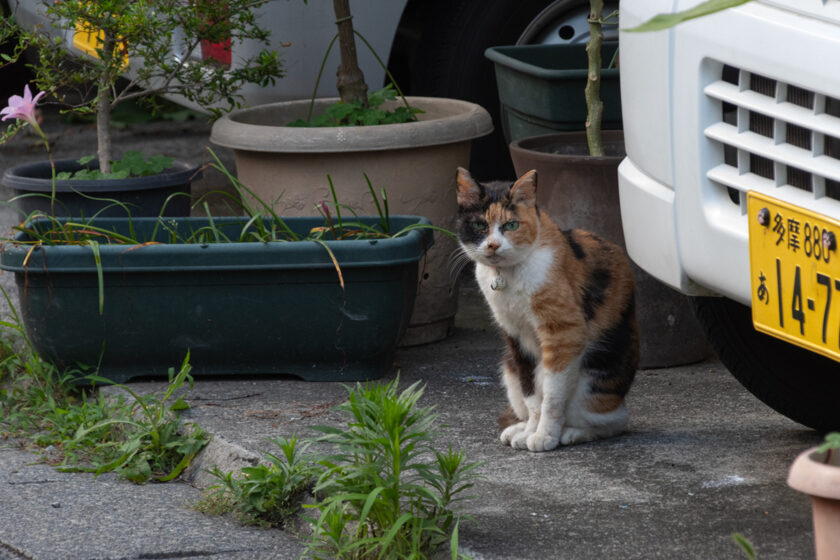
(520, 440)
(511, 432)
(541, 441)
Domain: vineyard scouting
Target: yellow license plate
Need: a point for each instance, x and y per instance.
(795, 269)
(87, 39)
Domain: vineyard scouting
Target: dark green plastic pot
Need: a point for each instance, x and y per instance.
(166, 193)
(239, 308)
(541, 88)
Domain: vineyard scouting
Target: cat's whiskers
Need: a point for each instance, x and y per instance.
(458, 260)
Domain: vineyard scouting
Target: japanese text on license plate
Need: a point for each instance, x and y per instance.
(795, 270)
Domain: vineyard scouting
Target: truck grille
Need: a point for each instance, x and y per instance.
(775, 137)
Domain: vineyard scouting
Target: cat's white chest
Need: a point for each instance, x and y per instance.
(509, 291)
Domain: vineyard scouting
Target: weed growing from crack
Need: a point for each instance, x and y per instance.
(140, 438)
(154, 444)
(269, 493)
(385, 492)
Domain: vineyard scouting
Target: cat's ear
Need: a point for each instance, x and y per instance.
(469, 192)
(524, 190)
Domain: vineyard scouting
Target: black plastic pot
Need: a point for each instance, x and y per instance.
(239, 308)
(166, 193)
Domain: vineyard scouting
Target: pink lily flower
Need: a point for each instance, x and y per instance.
(23, 108)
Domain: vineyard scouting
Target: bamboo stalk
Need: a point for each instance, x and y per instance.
(594, 104)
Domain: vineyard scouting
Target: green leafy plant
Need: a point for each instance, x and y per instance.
(140, 438)
(155, 445)
(354, 113)
(132, 164)
(134, 38)
(268, 494)
(829, 446)
(261, 224)
(387, 492)
(35, 397)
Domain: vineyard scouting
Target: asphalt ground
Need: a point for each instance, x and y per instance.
(702, 458)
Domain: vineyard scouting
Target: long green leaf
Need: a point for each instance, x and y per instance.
(74, 226)
(335, 203)
(100, 277)
(745, 544)
(371, 499)
(82, 431)
(182, 464)
(392, 533)
(453, 542)
(334, 261)
(665, 21)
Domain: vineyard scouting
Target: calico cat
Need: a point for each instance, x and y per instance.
(565, 304)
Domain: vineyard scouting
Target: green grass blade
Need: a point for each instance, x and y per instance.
(746, 546)
(334, 261)
(371, 499)
(453, 542)
(335, 202)
(318, 79)
(382, 218)
(666, 21)
(89, 229)
(100, 277)
(392, 533)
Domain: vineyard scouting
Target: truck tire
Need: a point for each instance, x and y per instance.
(797, 383)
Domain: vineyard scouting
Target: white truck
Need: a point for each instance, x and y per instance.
(730, 191)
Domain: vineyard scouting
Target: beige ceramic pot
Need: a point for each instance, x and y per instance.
(414, 162)
(818, 475)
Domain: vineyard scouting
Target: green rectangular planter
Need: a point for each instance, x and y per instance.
(541, 88)
(239, 308)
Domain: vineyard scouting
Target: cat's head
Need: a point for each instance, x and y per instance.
(498, 222)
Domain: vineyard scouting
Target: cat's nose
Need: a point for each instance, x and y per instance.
(493, 246)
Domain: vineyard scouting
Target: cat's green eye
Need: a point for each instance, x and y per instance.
(510, 226)
(479, 226)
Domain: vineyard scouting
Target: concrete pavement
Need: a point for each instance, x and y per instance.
(703, 459)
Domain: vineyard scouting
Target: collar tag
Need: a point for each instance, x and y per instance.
(498, 282)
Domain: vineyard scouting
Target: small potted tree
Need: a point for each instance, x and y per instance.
(414, 160)
(157, 45)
